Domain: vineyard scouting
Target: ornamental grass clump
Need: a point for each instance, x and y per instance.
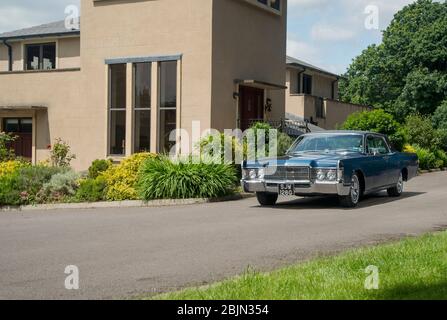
(165, 179)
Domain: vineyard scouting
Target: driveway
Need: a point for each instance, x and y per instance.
(127, 252)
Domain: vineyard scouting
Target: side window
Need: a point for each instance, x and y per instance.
(376, 145)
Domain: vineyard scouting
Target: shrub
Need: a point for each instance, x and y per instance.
(60, 154)
(427, 159)
(421, 132)
(98, 167)
(91, 190)
(164, 179)
(6, 153)
(377, 121)
(61, 186)
(23, 185)
(409, 149)
(211, 142)
(121, 179)
(439, 118)
(284, 143)
(441, 156)
(11, 166)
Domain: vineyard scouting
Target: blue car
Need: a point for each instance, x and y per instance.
(348, 164)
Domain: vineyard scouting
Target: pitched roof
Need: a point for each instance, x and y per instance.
(296, 62)
(45, 30)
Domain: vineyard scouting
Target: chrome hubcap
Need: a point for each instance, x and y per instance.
(400, 184)
(355, 189)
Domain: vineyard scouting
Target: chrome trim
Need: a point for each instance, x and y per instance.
(330, 188)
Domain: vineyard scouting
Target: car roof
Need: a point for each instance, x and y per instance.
(347, 132)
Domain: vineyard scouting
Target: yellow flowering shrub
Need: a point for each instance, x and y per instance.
(409, 149)
(122, 178)
(11, 166)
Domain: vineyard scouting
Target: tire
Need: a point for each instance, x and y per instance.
(267, 199)
(355, 193)
(398, 189)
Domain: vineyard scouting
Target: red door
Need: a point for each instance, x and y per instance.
(251, 106)
(22, 129)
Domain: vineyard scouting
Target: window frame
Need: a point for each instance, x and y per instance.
(110, 111)
(40, 45)
(160, 108)
(136, 109)
(374, 136)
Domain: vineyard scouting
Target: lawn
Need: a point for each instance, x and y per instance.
(414, 268)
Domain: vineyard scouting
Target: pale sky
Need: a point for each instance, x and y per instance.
(327, 33)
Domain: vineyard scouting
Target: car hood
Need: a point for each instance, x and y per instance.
(305, 159)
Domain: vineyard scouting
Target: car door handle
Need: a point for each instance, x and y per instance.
(386, 158)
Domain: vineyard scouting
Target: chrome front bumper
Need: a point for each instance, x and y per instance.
(301, 188)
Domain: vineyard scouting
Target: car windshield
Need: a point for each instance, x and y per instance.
(328, 143)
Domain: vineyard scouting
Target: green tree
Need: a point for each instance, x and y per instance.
(439, 119)
(377, 121)
(407, 72)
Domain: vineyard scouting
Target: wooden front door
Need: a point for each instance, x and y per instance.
(22, 128)
(251, 106)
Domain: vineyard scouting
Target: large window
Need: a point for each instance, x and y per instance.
(142, 109)
(307, 84)
(168, 103)
(40, 56)
(117, 109)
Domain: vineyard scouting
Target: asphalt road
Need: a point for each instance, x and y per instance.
(126, 252)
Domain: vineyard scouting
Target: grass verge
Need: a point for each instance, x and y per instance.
(415, 268)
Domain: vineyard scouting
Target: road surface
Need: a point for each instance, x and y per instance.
(121, 253)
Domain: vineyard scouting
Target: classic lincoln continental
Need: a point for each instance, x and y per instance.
(348, 164)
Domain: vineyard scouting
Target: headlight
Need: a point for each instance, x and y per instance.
(331, 175)
(261, 173)
(326, 175)
(253, 174)
(321, 175)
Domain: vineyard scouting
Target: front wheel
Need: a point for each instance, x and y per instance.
(352, 200)
(398, 189)
(267, 199)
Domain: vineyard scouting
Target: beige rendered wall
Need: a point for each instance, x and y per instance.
(116, 29)
(336, 112)
(67, 115)
(248, 43)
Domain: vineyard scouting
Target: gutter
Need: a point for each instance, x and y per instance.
(5, 42)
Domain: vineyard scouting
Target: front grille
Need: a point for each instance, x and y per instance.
(288, 173)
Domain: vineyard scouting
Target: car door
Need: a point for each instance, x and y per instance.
(378, 156)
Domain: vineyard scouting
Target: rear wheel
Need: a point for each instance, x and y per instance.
(352, 200)
(267, 199)
(398, 189)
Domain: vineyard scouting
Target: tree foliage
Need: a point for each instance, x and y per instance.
(407, 72)
(377, 121)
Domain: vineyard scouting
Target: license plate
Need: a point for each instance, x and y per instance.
(286, 190)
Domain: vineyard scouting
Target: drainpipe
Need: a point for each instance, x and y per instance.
(5, 42)
(333, 87)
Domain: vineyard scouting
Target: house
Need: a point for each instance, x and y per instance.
(312, 94)
(140, 69)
